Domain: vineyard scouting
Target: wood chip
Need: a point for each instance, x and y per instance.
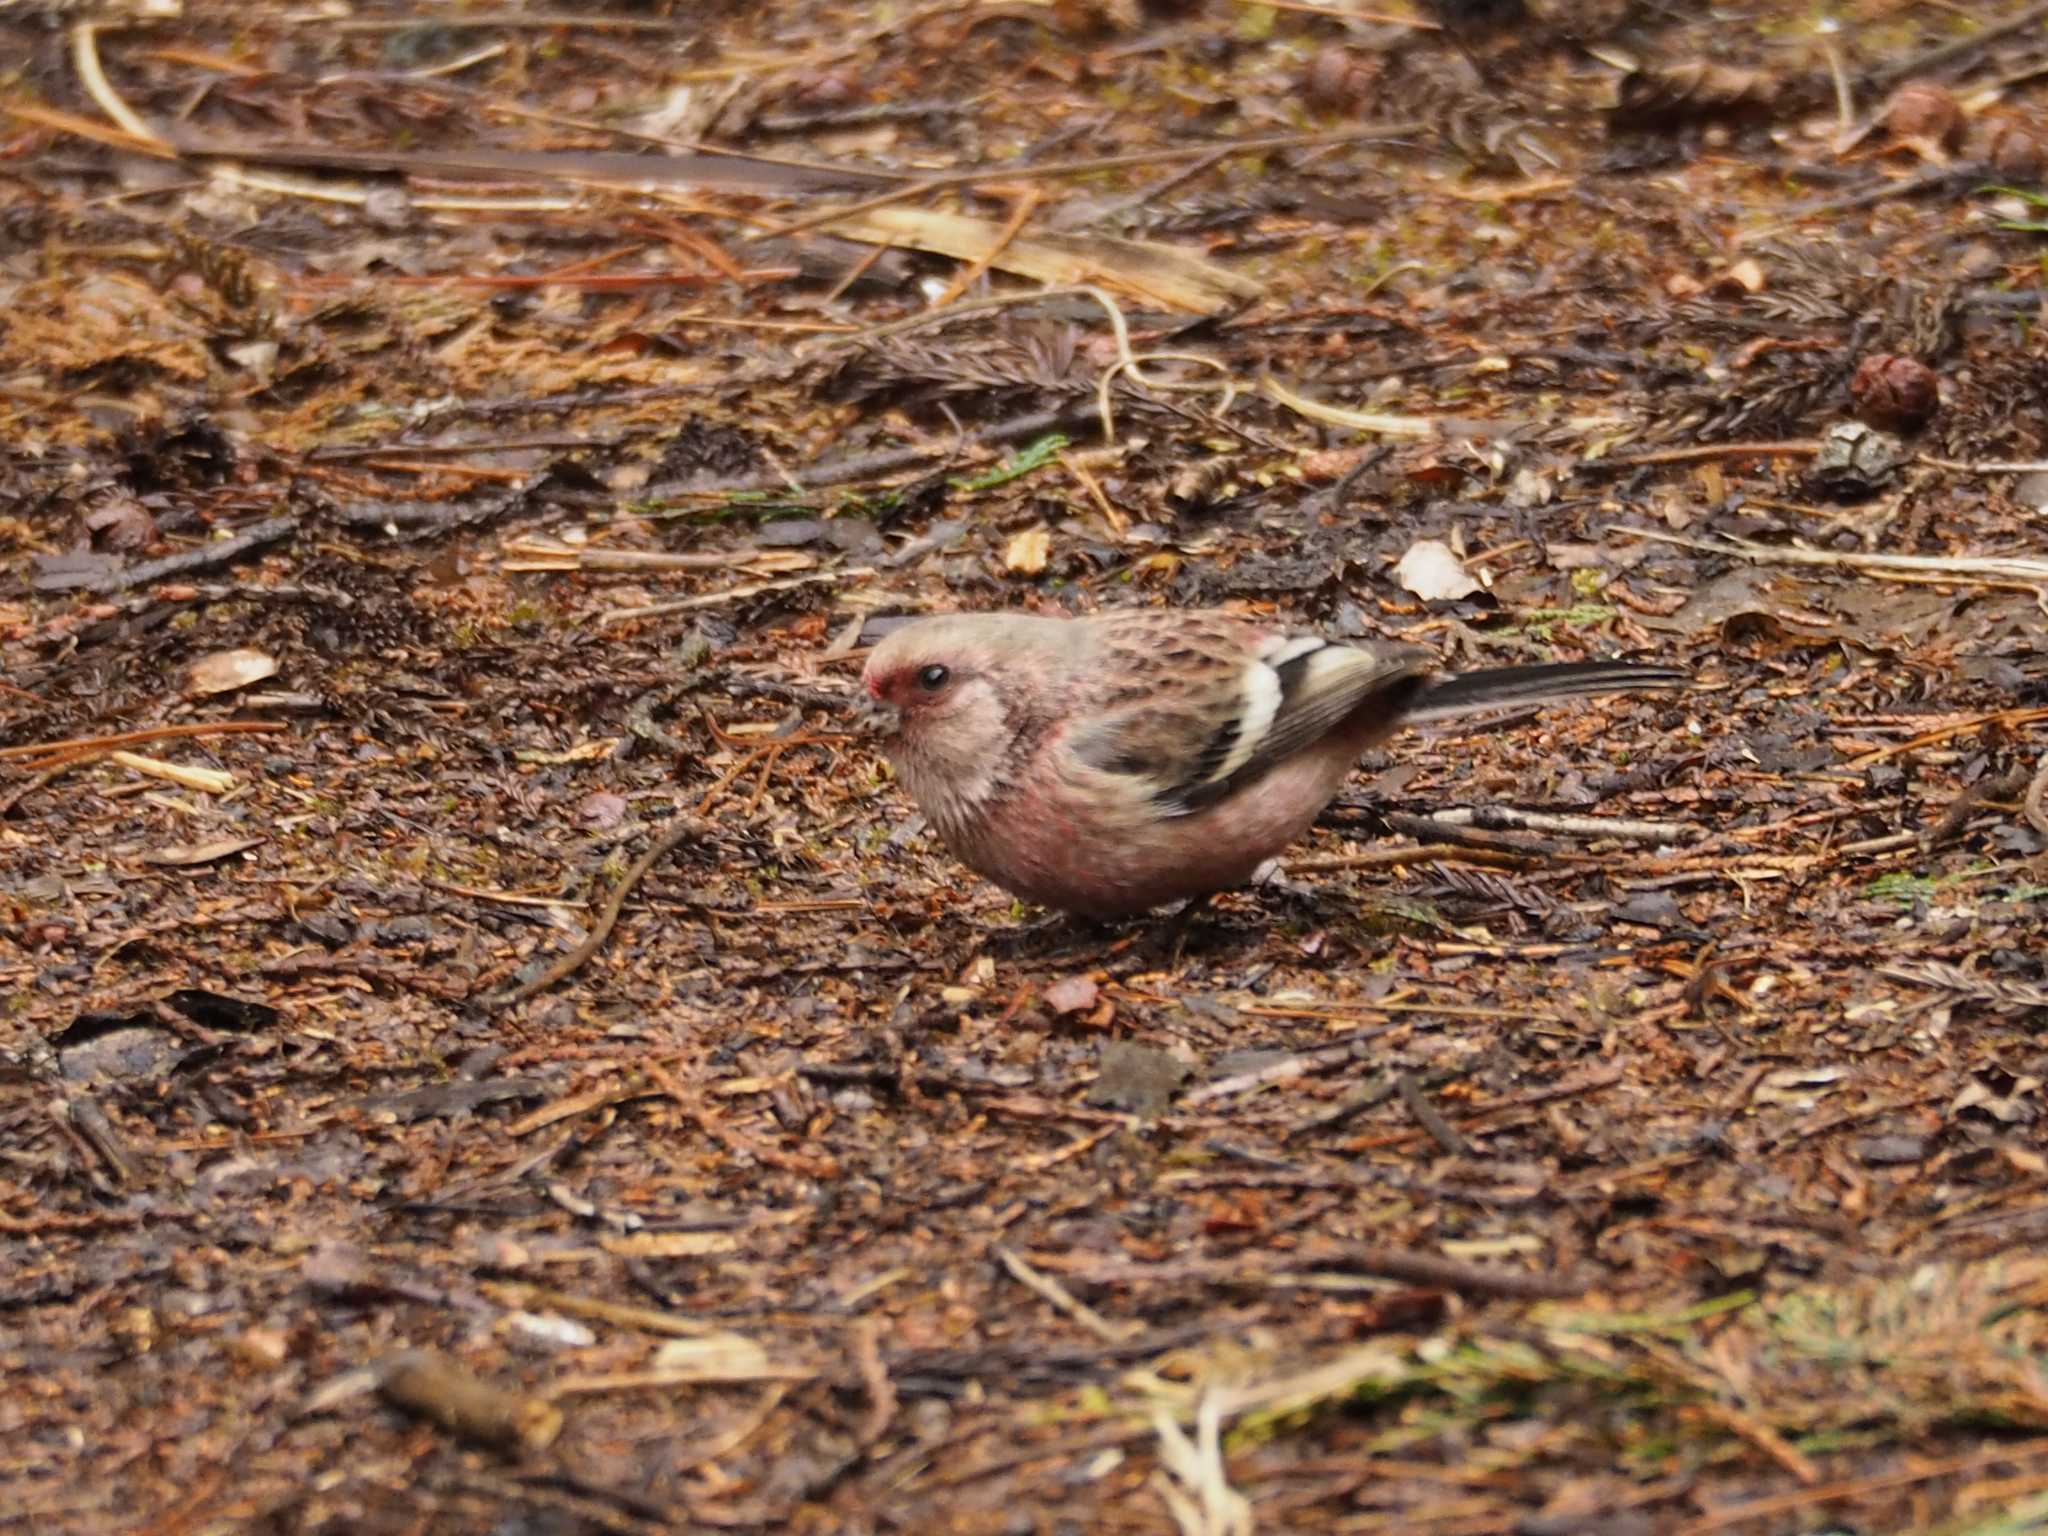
(211, 781)
(185, 855)
(447, 1394)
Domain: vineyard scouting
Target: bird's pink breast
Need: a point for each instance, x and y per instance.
(1068, 839)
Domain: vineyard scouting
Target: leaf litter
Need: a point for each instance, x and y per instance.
(485, 1042)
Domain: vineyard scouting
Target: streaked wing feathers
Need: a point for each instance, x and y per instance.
(1208, 706)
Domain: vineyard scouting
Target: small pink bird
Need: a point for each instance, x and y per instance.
(1109, 765)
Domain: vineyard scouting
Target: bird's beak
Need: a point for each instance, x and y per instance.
(877, 719)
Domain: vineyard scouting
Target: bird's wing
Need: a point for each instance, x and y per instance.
(1198, 705)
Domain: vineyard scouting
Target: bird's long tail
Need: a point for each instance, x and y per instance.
(1544, 683)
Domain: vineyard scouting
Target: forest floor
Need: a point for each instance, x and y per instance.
(486, 1045)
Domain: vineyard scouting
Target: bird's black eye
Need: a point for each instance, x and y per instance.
(931, 679)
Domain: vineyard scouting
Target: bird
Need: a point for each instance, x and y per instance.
(1112, 764)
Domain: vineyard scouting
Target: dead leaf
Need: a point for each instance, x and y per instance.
(225, 671)
(1028, 551)
(1434, 574)
(1155, 272)
(595, 750)
(184, 855)
(1139, 1078)
(120, 525)
(1071, 994)
(602, 809)
(716, 1357)
(1798, 1088)
(1747, 601)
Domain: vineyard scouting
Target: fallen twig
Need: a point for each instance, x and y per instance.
(85, 128)
(1763, 1437)
(1470, 836)
(211, 781)
(1995, 569)
(205, 557)
(1424, 853)
(2009, 718)
(1985, 467)
(1338, 1053)
(137, 738)
(48, 773)
(1743, 1511)
(227, 592)
(1337, 416)
(1426, 1116)
(866, 1340)
(539, 554)
(678, 830)
(1796, 448)
(1945, 54)
(1938, 179)
(1062, 169)
(1402, 1264)
(1499, 818)
(1012, 227)
(1369, 1097)
(1968, 803)
(1050, 1290)
(85, 57)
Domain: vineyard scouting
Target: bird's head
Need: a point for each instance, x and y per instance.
(935, 678)
(953, 696)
